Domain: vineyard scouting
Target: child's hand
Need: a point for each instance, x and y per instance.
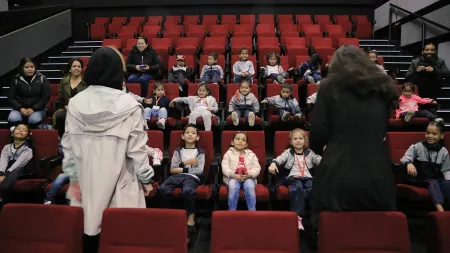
(74, 191)
(2, 178)
(411, 170)
(308, 101)
(147, 189)
(147, 101)
(434, 102)
(236, 176)
(291, 68)
(264, 101)
(273, 169)
(172, 103)
(191, 162)
(244, 74)
(176, 170)
(244, 177)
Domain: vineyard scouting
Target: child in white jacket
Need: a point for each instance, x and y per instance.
(240, 168)
(201, 106)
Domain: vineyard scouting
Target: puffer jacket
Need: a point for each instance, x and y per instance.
(147, 57)
(34, 95)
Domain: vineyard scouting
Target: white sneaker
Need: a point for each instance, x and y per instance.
(280, 79)
(48, 202)
(251, 119)
(439, 120)
(161, 123)
(298, 117)
(311, 80)
(409, 116)
(235, 118)
(285, 116)
(300, 225)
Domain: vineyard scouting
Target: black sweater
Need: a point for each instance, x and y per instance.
(34, 94)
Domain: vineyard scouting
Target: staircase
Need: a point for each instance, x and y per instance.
(394, 59)
(53, 70)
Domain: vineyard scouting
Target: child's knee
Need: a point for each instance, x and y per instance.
(206, 114)
(189, 191)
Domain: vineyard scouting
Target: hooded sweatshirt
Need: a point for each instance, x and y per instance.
(244, 102)
(243, 66)
(290, 104)
(105, 142)
(410, 104)
(214, 67)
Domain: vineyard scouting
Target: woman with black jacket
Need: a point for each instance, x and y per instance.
(28, 94)
(143, 63)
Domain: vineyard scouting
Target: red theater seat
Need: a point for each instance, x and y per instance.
(439, 232)
(228, 19)
(122, 234)
(154, 20)
(206, 143)
(26, 228)
(385, 232)
(256, 224)
(285, 19)
(242, 30)
(256, 143)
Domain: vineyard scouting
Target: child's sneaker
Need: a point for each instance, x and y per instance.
(47, 202)
(311, 80)
(251, 119)
(409, 116)
(298, 117)
(300, 224)
(161, 123)
(280, 79)
(285, 116)
(235, 118)
(439, 120)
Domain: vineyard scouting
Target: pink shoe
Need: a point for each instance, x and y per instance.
(300, 225)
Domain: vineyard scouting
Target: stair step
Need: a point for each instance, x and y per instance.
(372, 45)
(64, 59)
(4, 101)
(54, 79)
(369, 40)
(444, 102)
(388, 52)
(76, 53)
(4, 112)
(83, 48)
(54, 65)
(396, 56)
(399, 62)
(88, 41)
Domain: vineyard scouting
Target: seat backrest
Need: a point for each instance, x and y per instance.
(268, 41)
(233, 87)
(152, 29)
(119, 19)
(256, 143)
(205, 143)
(334, 29)
(120, 232)
(173, 20)
(160, 43)
(341, 18)
(388, 232)
(228, 19)
(101, 20)
(285, 19)
(196, 29)
(288, 27)
(242, 28)
(299, 59)
(310, 29)
(210, 19)
(439, 231)
(130, 43)
(360, 18)
(46, 143)
(213, 87)
(155, 139)
(266, 28)
(318, 42)
(21, 228)
(220, 61)
(134, 88)
(154, 20)
(399, 142)
(294, 41)
(54, 90)
(266, 19)
(257, 224)
(171, 90)
(137, 20)
(219, 28)
(303, 19)
(5, 137)
(322, 19)
(191, 19)
(348, 41)
(312, 88)
(247, 19)
(274, 89)
(117, 43)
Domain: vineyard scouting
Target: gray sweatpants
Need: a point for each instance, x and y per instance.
(205, 114)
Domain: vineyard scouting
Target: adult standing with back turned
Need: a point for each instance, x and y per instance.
(351, 119)
(104, 144)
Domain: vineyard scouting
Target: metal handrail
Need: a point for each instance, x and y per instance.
(391, 9)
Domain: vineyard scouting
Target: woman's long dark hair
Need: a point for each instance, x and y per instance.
(22, 63)
(69, 66)
(352, 70)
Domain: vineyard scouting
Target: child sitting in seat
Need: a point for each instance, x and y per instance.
(179, 72)
(285, 103)
(274, 70)
(157, 105)
(373, 56)
(297, 161)
(16, 160)
(240, 168)
(186, 167)
(428, 162)
(243, 103)
(201, 106)
(211, 72)
(243, 69)
(409, 105)
(310, 70)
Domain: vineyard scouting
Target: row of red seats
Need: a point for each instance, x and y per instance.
(105, 26)
(371, 231)
(397, 144)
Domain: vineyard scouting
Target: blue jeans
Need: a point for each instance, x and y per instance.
(143, 79)
(299, 191)
(159, 113)
(34, 119)
(59, 182)
(240, 112)
(439, 191)
(316, 77)
(234, 187)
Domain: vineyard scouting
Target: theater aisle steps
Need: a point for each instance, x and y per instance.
(53, 70)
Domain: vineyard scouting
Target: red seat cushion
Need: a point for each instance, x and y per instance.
(398, 123)
(29, 185)
(282, 193)
(185, 121)
(243, 121)
(261, 191)
(414, 193)
(203, 192)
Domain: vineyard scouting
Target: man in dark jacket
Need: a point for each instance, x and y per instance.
(427, 72)
(28, 97)
(143, 63)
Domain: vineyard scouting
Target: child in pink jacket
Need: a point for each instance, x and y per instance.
(409, 105)
(240, 168)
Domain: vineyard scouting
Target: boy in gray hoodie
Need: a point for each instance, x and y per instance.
(243, 69)
(211, 71)
(285, 103)
(244, 103)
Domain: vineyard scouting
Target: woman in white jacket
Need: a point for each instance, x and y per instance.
(104, 144)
